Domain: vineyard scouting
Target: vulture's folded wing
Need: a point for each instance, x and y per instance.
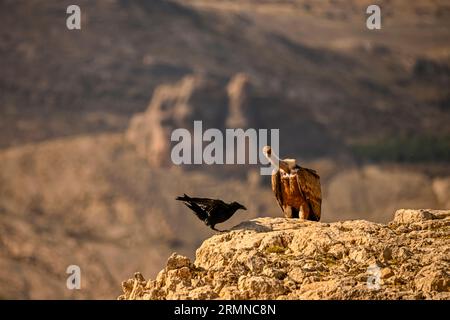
(309, 183)
(276, 187)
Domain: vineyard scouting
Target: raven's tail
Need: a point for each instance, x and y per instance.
(185, 197)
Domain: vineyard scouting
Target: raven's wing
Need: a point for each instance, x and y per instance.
(209, 205)
(199, 212)
(216, 206)
(276, 187)
(203, 207)
(309, 183)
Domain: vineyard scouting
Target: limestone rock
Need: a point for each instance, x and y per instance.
(177, 261)
(278, 258)
(409, 216)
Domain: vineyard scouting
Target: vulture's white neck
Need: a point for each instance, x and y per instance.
(286, 164)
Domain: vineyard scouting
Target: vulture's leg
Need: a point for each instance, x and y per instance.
(288, 212)
(304, 211)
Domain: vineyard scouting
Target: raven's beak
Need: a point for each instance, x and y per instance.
(242, 207)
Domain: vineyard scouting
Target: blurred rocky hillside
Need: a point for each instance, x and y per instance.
(85, 118)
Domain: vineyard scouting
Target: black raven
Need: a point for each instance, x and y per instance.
(211, 211)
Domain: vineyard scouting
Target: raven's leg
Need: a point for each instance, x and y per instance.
(221, 231)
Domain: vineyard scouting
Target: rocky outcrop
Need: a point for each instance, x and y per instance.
(277, 258)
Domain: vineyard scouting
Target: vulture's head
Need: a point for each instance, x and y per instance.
(272, 157)
(267, 151)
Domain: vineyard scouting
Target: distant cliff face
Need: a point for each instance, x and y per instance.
(277, 258)
(195, 97)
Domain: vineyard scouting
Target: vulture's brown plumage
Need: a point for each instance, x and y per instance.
(296, 189)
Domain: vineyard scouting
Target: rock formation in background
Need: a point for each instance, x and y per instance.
(195, 97)
(277, 258)
(239, 92)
